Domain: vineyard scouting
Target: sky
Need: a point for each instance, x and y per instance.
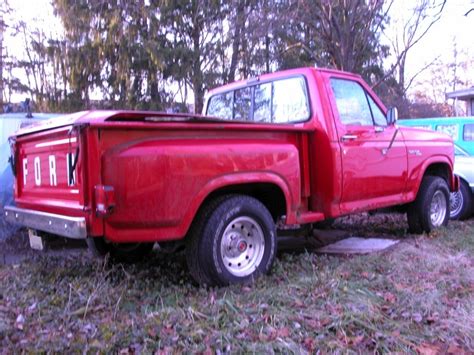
(453, 27)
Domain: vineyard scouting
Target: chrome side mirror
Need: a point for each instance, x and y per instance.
(392, 115)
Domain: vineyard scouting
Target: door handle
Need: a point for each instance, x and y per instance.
(349, 137)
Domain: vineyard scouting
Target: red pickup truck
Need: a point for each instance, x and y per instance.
(290, 148)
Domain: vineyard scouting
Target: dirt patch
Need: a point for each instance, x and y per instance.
(16, 247)
(16, 242)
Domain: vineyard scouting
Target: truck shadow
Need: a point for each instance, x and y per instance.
(171, 268)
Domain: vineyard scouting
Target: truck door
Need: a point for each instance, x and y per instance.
(374, 168)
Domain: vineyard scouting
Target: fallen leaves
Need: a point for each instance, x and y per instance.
(417, 317)
(310, 344)
(20, 322)
(440, 349)
(392, 302)
(389, 297)
(83, 311)
(428, 349)
(433, 318)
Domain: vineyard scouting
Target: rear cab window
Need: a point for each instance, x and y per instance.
(278, 101)
(221, 105)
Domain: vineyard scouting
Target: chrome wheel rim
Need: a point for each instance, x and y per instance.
(242, 246)
(456, 201)
(438, 209)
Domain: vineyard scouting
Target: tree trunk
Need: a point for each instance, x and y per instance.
(236, 39)
(197, 75)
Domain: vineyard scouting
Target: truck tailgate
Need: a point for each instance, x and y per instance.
(49, 171)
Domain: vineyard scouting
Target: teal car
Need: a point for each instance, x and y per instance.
(461, 129)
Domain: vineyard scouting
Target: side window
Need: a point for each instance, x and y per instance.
(290, 103)
(379, 117)
(468, 132)
(220, 105)
(242, 104)
(262, 107)
(351, 102)
(450, 129)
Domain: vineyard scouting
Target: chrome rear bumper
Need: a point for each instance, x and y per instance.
(70, 227)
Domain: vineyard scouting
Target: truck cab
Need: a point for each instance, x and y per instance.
(369, 161)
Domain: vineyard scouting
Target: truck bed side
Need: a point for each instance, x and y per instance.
(161, 177)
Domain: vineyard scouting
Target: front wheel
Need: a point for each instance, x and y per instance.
(430, 210)
(461, 202)
(235, 243)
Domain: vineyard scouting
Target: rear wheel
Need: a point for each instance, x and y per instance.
(123, 252)
(235, 243)
(461, 202)
(430, 210)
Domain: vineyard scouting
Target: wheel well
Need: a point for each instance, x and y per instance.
(268, 194)
(439, 169)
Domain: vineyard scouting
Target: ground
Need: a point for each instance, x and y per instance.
(415, 297)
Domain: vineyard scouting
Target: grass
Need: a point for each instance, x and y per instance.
(417, 297)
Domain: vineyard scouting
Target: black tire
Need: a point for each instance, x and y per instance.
(430, 210)
(235, 242)
(461, 202)
(120, 252)
(193, 239)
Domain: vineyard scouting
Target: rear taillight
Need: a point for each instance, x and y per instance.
(104, 200)
(12, 158)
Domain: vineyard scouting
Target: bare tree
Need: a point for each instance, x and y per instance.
(410, 32)
(4, 9)
(345, 31)
(446, 76)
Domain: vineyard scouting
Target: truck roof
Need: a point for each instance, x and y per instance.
(99, 117)
(280, 74)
